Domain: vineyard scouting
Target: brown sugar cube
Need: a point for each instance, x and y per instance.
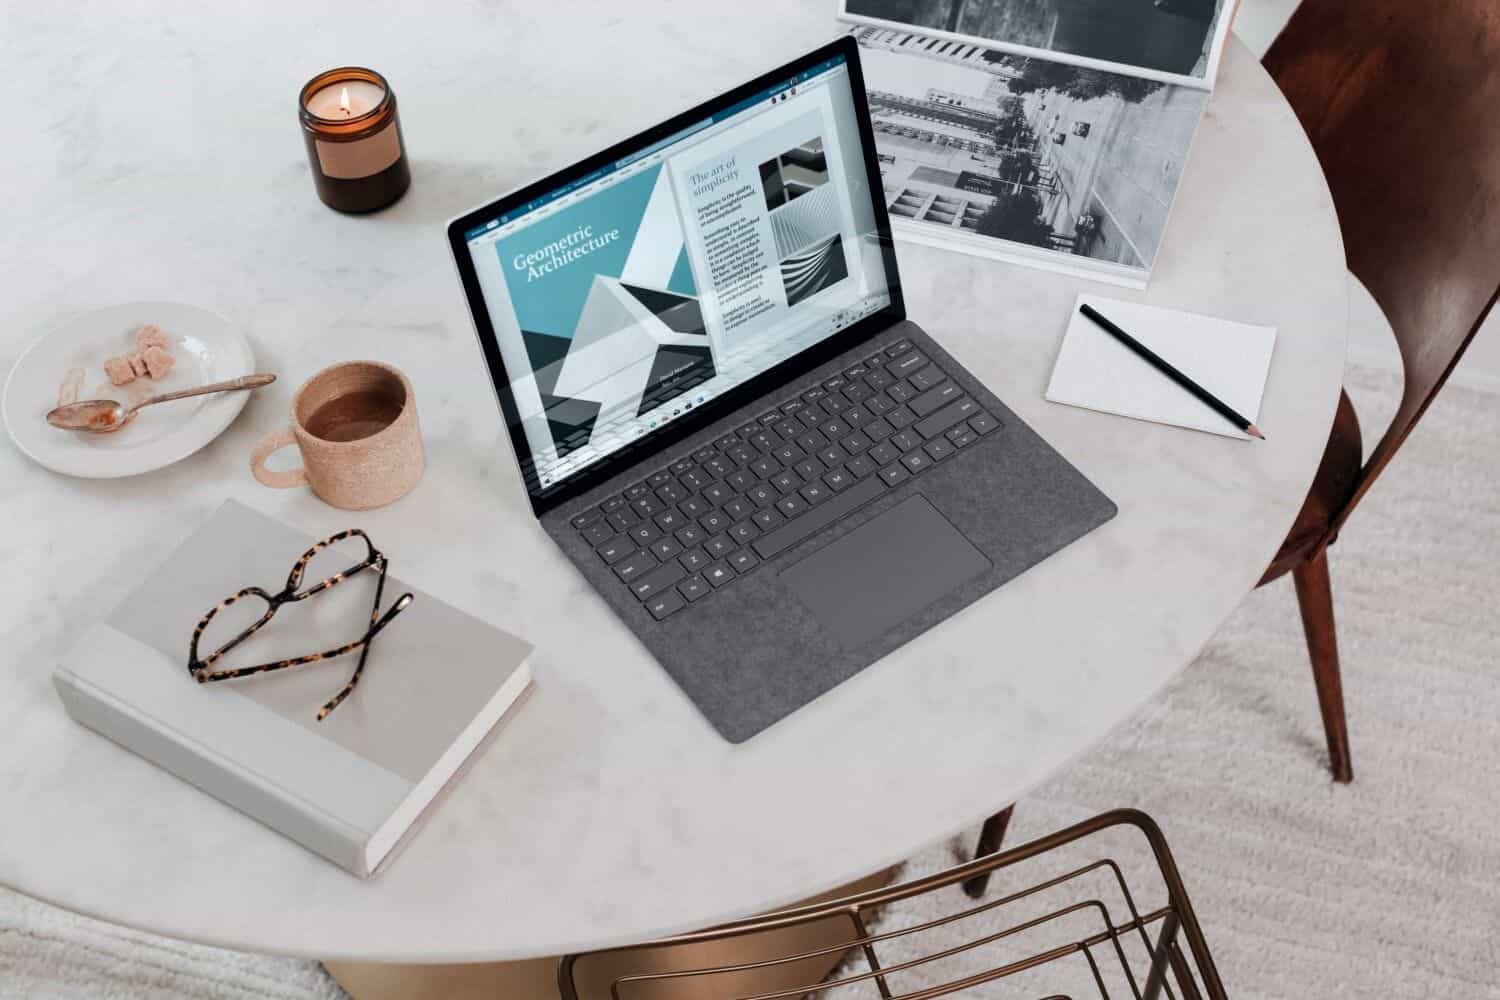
(149, 336)
(157, 361)
(120, 370)
(71, 388)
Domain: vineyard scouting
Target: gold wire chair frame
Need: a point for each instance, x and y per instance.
(1167, 960)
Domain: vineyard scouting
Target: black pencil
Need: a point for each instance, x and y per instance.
(1165, 367)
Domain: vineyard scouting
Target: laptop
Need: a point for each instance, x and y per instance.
(722, 414)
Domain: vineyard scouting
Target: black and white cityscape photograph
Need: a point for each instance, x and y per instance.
(1163, 36)
(975, 143)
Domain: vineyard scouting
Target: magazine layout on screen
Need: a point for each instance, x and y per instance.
(681, 272)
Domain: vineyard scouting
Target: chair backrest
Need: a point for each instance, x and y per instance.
(1401, 99)
(1070, 925)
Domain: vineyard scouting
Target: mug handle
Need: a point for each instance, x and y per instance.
(264, 449)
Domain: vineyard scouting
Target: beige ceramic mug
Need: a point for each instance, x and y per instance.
(356, 426)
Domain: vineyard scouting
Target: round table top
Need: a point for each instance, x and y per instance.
(160, 159)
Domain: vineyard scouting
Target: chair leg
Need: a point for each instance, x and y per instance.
(990, 839)
(1315, 597)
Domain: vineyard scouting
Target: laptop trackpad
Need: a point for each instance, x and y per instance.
(884, 571)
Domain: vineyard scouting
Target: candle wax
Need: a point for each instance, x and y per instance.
(345, 99)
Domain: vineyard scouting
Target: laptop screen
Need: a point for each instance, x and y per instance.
(633, 295)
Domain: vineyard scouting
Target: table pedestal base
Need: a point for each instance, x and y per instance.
(520, 980)
(536, 979)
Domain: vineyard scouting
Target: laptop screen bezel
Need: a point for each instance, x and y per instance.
(664, 437)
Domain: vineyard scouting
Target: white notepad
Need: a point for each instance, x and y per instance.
(1098, 372)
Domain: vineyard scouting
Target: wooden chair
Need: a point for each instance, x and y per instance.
(1085, 923)
(1399, 100)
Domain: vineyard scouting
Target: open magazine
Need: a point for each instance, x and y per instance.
(1170, 41)
(1059, 140)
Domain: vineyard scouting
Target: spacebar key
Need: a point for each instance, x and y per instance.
(819, 517)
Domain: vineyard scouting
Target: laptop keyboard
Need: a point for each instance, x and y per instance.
(699, 523)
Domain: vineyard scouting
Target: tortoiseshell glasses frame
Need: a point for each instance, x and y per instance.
(200, 667)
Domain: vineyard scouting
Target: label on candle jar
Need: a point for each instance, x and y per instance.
(361, 158)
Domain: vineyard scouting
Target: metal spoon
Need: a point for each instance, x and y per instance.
(104, 416)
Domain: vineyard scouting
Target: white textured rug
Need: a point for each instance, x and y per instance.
(1389, 887)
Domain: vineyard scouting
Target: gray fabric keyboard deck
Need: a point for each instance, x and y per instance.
(751, 654)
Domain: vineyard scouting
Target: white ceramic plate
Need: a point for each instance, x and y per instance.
(208, 349)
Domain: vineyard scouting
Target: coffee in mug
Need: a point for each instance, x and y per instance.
(355, 424)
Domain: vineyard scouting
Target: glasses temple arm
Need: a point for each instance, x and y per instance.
(401, 605)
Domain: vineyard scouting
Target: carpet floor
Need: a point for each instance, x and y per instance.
(1389, 887)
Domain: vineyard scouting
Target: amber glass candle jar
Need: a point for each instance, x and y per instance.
(353, 138)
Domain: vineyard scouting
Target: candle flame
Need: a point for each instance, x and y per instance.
(344, 101)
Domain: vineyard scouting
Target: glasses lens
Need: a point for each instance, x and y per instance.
(333, 561)
(230, 623)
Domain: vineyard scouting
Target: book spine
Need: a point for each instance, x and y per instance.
(213, 773)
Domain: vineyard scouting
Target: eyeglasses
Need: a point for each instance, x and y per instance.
(200, 668)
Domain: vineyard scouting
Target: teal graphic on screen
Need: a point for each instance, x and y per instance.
(608, 307)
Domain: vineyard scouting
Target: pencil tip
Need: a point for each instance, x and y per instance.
(1254, 432)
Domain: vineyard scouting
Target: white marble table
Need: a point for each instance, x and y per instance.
(158, 157)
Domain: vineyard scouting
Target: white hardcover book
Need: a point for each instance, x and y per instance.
(349, 787)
